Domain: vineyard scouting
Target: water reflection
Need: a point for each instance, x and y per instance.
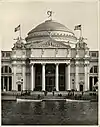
(47, 113)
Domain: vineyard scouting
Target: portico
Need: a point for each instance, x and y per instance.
(51, 75)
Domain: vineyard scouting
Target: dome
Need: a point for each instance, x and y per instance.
(50, 29)
(50, 25)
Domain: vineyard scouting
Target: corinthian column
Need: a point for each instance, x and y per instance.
(14, 86)
(66, 76)
(57, 74)
(32, 83)
(77, 77)
(68, 72)
(24, 77)
(43, 77)
(85, 72)
(86, 86)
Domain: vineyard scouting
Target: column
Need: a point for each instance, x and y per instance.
(77, 77)
(43, 77)
(32, 77)
(66, 77)
(85, 72)
(7, 83)
(92, 82)
(24, 77)
(3, 83)
(88, 81)
(68, 72)
(14, 86)
(57, 79)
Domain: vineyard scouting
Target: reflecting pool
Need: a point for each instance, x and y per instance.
(49, 113)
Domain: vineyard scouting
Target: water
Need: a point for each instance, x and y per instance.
(49, 113)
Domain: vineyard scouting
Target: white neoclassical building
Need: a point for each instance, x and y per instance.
(52, 56)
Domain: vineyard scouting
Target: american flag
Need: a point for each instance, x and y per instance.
(17, 28)
(78, 27)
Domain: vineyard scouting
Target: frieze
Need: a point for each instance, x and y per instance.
(50, 44)
(50, 61)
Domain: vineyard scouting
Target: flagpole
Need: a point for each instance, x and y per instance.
(81, 32)
(20, 33)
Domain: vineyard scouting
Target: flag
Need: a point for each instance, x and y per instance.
(17, 28)
(78, 27)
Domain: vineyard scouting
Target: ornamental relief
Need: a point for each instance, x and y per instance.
(50, 52)
(19, 69)
(19, 45)
(50, 44)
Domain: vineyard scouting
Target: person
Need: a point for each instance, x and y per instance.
(38, 96)
(45, 93)
(4, 88)
(54, 89)
(82, 93)
(53, 93)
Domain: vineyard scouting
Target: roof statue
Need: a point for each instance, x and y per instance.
(49, 13)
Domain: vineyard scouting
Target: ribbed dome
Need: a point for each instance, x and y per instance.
(50, 25)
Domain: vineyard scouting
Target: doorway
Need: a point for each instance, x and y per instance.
(50, 77)
(19, 87)
(50, 82)
(81, 87)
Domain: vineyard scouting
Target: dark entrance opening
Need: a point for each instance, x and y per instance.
(95, 80)
(50, 77)
(90, 83)
(38, 77)
(19, 87)
(10, 83)
(62, 77)
(81, 87)
(2, 83)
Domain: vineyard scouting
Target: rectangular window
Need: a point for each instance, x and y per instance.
(94, 54)
(3, 54)
(7, 54)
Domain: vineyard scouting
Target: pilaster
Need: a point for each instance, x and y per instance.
(43, 77)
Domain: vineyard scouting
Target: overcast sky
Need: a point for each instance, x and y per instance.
(30, 14)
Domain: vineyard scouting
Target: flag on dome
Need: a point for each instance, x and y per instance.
(78, 27)
(17, 28)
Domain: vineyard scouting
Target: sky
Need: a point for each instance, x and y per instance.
(31, 13)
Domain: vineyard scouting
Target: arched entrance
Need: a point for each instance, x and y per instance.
(6, 78)
(50, 77)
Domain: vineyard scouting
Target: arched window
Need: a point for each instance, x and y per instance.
(6, 69)
(94, 69)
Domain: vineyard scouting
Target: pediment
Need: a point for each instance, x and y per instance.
(51, 44)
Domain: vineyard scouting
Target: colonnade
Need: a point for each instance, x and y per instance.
(67, 72)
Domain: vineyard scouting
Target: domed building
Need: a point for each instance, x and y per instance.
(52, 57)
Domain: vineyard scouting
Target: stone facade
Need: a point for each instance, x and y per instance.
(49, 45)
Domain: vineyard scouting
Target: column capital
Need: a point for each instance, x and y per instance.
(86, 65)
(67, 63)
(32, 64)
(76, 64)
(56, 63)
(43, 64)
